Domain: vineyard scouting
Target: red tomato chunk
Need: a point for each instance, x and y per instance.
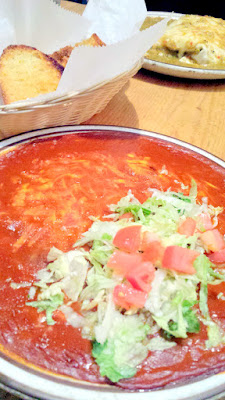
(122, 263)
(187, 227)
(218, 257)
(213, 240)
(132, 267)
(147, 239)
(141, 276)
(179, 259)
(128, 297)
(128, 238)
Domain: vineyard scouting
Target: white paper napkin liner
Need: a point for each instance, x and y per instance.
(41, 24)
(48, 27)
(8, 34)
(89, 66)
(107, 62)
(115, 20)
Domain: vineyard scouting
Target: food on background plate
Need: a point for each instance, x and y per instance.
(26, 72)
(191, 40)
(62, 55)
(113, 259)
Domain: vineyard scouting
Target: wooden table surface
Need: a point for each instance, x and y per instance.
(190, 110)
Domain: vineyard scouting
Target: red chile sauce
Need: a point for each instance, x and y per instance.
(49, 188)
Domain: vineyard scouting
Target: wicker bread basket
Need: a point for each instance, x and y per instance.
(69, 110)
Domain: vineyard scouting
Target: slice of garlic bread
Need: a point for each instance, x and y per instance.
(62, 55)
(26, 72)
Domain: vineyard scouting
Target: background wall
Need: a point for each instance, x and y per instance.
(213, 8)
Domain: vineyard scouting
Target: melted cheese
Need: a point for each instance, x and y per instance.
(199, 38)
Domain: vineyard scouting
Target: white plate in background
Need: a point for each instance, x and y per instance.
(177, 70)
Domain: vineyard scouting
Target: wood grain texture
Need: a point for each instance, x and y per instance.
(70, 5)
(7, 396)
(190, 110)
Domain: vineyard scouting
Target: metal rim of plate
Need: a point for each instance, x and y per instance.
(177, 70)
(22, 380)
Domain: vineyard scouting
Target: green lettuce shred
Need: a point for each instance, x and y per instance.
(138, 210)
(180, 196)
(119, 356)
(193, 324)
(186, 322)
(207, 275)
(49, 305)
(100, 252)
(104, 355)
(159, 343)
(215, 336)
(171, 303)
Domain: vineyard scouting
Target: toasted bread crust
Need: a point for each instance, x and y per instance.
(94, 41)
(26, 72)
(62, 55)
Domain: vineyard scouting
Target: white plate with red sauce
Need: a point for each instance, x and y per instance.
(180, 71)
(34, 361)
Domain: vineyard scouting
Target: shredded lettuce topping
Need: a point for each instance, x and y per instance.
(48, 305)
(126, 314)
(123, 350)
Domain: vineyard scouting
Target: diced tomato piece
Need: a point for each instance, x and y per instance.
(128, 238)
(154, 252)
(121, 262)
(212, 240)
(204, 222)
(132, 267)
(218, 257)
(148, 238)
(128, 297)
(179, 259)
(128, 215)
(151, 247)
(141, 276)
(58, 316)
(187, 227)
